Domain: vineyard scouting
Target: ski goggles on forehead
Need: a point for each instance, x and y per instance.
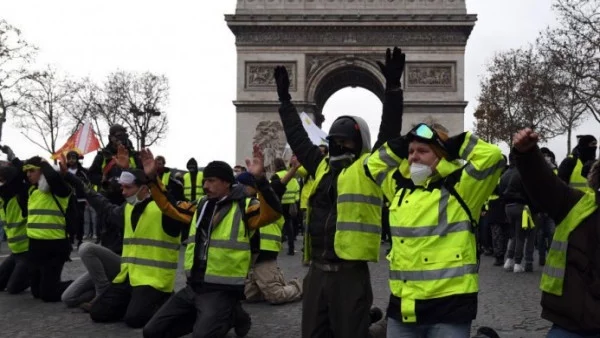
(427, 134)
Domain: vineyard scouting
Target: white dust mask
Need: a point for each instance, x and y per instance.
(419, 173)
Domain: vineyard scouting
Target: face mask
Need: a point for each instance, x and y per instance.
(338, 163)
(72, 170)
(419, 173)
(43, 184)
(133, 199)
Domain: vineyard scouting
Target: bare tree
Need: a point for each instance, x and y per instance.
(44, 108)
(15, 56)
(564, 62)
(510, 97)
(580, 21)
(139, 101)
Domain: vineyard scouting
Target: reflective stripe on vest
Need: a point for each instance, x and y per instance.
(554, 270)
(577, 181)
(149, 254)
(359, 206)
(292, 189)
(15, 226)
(187, 186)
(430, 261)
(228, 252)
(44, 219)
(270, 236)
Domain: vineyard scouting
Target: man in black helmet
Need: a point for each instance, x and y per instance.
(344, 210)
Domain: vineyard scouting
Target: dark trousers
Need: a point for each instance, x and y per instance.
(136, 305)
(337, 304)
(499, 238)
(288, 227)
(545, 232)
(45, 274)
(523, 244)
(14, 273)
(79, 227)
(209, 314)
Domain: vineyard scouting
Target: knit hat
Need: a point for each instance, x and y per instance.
(246, 178)
(115, 128)
(32, 163)
(221, 170)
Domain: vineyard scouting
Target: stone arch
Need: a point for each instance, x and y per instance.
(328, 45)
(340, 73)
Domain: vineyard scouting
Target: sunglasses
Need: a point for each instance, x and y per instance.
(424, 132)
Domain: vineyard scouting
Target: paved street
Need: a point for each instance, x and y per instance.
(508, 302)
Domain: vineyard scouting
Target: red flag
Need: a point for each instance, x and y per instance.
(83, 141)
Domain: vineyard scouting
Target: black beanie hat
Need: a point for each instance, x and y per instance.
(584, 140)
(115, 128)
(221, 170)
(192, 161)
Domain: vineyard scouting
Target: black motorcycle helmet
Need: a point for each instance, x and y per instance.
(345, 128)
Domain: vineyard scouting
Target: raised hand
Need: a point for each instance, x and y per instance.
(148, 163)
(294, 162)
(282, 80)
(62, 164)
(122, 157)
(393, 68)
(10, 155)
(257, 166)
(525, 140)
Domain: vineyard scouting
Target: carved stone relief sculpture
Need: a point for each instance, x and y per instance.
(270, 137)
(259, 75)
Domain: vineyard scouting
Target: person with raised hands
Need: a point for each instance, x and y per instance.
(571, 278)
(437, 186)
(218, 254)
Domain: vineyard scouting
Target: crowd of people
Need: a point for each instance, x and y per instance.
(440, 201)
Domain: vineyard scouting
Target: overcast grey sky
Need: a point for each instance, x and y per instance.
(190, 43)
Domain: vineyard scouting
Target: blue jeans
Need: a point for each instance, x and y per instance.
(558, 332)
(397, 329)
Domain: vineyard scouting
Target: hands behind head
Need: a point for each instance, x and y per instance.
(148, 163)
(393, 68)
(257, 166)
(525, 140)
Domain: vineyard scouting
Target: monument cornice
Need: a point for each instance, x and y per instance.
(367, 35)
(329, 19)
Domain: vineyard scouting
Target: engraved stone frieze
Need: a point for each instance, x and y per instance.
(270, 137)
(431, 76)
(259, 75)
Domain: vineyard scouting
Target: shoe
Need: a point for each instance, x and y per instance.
(498, 261)
(509, 264)
(488, 252)
(242, 321)
(291, 253)
(518, 268)
(375, 314)
(542, 261)
(528, 267)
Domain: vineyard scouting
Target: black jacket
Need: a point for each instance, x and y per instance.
(323, 203)
(110, 187)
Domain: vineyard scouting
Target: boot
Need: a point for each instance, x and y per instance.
(242, 321)
(498, 261)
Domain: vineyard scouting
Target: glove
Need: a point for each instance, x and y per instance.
(282, 80)
(10, 155)
(393, 68)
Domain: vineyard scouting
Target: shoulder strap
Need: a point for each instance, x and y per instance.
(62, 211)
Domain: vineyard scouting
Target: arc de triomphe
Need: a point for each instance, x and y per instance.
(331, 44)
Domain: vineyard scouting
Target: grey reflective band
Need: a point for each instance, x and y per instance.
(553, 271)
(16, 225)
(225, 244)
(45, 226)
(45, 212)
(386, 158)
(191, 239)
(485, 173)
(237, 220)
(224, 280)
(431, 230)
(17, 239)
(381, 177)
(270, 237)
(148, 262)
(360, 227)
(150, 242)
(578, 184)
(428, 275)
(559, 245)
(470, 146)
(358, 198)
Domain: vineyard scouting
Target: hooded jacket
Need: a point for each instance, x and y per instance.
(323, 208)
